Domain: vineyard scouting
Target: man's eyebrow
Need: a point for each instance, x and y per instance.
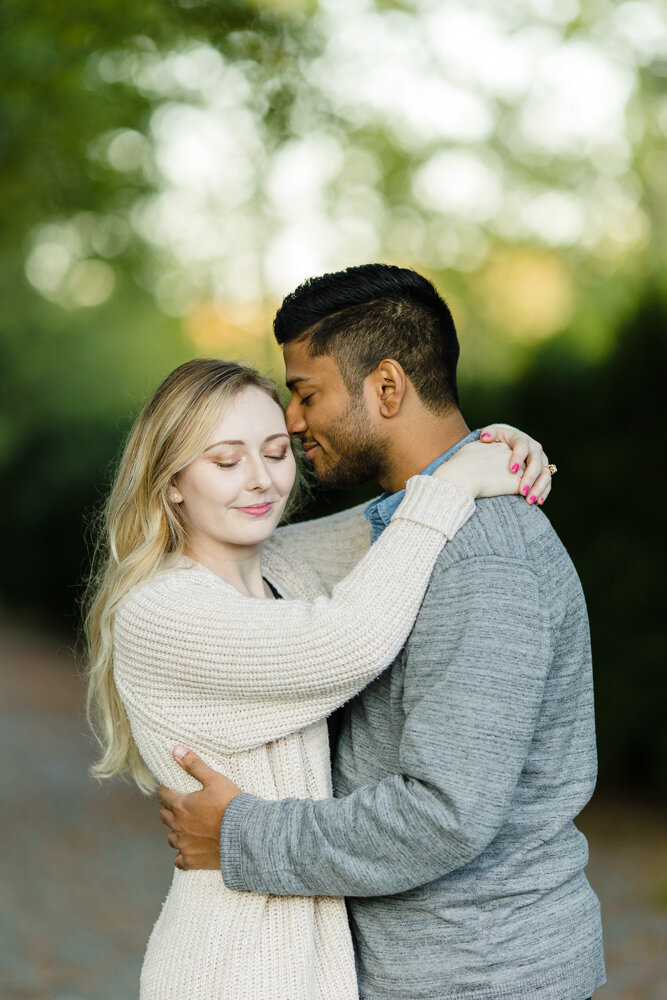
(297, 378)
(271, 437)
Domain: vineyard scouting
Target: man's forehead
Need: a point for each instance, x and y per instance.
(302, 367)
(297, 354)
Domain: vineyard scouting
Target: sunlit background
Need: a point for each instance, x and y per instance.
(171, 169)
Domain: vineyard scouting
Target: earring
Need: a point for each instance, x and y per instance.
(176, 497)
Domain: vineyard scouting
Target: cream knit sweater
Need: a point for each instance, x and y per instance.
(247, 684)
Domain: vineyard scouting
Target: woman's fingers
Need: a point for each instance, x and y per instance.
(540, 489)
(520, 455)
(536, 462)
(529, 479)
(527, 461)
(520, 443)
(544, 494)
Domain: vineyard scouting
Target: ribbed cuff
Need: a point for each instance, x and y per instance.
(231, 851)
(435, 503)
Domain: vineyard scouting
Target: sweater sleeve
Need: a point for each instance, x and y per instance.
(472, 692)
(330, 545)
(269, 668)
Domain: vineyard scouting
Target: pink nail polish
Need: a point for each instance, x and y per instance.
(515, 467)
(541, 500)
(525, 490)
(532, 500)
(485, 436)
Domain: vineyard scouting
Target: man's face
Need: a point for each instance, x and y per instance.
(336, 430)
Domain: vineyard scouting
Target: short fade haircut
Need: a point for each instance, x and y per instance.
(364, 314)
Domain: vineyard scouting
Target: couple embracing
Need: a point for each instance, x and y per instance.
(440, 631)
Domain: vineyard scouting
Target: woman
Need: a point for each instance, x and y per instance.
(188, 645)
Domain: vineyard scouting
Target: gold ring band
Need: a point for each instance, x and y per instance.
(553, 469)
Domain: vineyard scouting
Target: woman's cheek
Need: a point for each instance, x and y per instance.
(228, 485)
(288, 474)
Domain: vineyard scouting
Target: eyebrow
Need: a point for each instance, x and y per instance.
(295, 381)
(272, 437)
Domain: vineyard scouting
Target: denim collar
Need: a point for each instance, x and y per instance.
(380, 511)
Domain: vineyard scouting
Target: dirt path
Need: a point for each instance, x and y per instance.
(83, 870)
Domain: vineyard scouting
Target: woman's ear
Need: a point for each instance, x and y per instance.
(388, 383)
(174, 494)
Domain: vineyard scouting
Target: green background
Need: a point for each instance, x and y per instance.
(565, 339)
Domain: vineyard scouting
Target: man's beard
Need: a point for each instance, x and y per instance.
(361, 453)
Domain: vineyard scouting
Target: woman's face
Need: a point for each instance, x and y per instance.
(234, 493)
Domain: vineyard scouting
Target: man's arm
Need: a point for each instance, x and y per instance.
(473, 689)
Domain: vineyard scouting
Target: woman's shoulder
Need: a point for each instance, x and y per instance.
(295, 575)
(316, 554)
(178, 584)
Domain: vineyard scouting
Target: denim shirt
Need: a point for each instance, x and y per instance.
(379, 511)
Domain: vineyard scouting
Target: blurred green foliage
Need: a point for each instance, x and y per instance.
(603, 426)
(71, 379)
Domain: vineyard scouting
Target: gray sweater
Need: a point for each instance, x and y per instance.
(457, 776)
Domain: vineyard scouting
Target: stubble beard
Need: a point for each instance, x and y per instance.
(360, 452)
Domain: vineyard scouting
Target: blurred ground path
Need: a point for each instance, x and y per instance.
(83, 870)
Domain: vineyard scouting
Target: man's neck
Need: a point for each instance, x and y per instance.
(417, 443)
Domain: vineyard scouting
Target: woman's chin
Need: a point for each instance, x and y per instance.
(257, 532)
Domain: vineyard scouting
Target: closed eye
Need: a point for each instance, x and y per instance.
(232, 465)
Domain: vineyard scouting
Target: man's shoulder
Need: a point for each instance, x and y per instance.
(506, 548)
(506, 529)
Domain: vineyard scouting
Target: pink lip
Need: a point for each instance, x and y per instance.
(257, 509)
(309, 451)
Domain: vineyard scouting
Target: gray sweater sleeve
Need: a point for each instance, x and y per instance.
(474, 681)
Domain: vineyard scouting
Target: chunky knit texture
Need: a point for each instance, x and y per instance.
(247, 684)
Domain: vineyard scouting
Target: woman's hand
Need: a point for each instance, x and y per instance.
(484, 470)
(529, 461)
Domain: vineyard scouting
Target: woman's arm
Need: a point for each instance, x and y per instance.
(260, 669)
(188, 642)
(332, 545)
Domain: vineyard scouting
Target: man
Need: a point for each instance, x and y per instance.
(459, 771)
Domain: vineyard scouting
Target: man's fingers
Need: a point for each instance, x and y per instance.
(172, 840)
(167, 797)
(179, 862)
(167, 817)
(194, 765)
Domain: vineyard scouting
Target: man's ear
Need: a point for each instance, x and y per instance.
(387, 386)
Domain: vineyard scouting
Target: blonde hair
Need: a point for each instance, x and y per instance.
(140, 528)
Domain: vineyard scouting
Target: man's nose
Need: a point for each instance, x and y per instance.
(294, 419)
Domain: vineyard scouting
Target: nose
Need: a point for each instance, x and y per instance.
(258, 476)
(294, 418)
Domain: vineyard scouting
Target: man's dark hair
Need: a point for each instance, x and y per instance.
(364, 314)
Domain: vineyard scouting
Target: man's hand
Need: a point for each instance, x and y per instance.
(194, 819)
